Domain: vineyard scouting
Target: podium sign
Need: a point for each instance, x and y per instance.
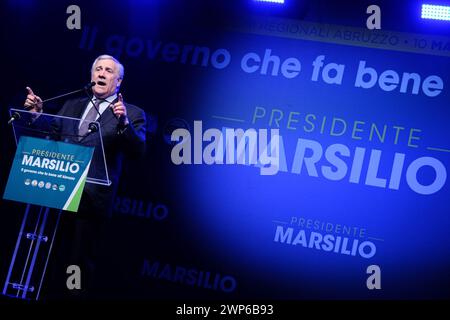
(48, 173)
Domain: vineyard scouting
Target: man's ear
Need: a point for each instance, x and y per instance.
(119, 82)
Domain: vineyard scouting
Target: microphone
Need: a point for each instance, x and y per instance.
(89, 85)
(16, 115)
(93, 127)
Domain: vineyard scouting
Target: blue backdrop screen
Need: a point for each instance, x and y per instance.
(363, 166)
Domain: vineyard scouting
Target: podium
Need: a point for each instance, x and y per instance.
(37, 233)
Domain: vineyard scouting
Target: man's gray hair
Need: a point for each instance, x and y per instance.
(106, 56)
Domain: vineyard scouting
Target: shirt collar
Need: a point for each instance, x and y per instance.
(109, 99)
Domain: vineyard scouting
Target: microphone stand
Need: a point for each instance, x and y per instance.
(92, 126)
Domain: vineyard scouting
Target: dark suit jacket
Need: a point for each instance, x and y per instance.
(117, 141)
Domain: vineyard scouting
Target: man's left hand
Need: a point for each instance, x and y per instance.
(120, 110)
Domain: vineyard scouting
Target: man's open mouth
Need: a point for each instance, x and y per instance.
(101, 83)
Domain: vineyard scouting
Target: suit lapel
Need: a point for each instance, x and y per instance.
(107, 115)
(76, 112)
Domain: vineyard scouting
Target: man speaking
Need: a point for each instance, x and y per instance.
(123, 129)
